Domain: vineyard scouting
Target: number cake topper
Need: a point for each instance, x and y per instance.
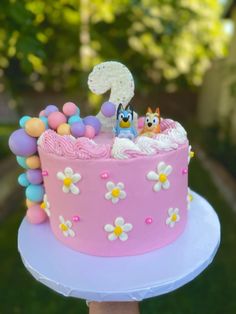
(116, 77)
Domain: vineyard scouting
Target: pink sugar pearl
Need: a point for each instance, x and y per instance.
(148, 220)
(55, 119)
(36, 215)
(89, 131)
(69, 109)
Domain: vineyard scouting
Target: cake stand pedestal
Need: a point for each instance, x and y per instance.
(131, 278)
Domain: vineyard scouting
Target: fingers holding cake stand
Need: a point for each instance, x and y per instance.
(131, 278)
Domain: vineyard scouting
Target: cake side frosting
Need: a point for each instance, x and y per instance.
(149, 194)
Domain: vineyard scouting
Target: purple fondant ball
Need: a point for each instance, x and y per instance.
(22, 144)
(78, 129)
(34, 176)
(94, 122)
(108, 109)
(49, 109)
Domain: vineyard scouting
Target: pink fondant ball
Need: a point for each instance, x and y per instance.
(69, 109)
(42, 113)
(55, 119)
(36, 215)
(89, 131)
(108, 109)
(141, 121)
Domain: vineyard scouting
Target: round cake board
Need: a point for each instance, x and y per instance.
(122, 278)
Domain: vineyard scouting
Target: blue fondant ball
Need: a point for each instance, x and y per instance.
(21, 161)
(94, 122)
(45, 121)
(22, 144)
(35, 192)
(22, 180)
(74, 119)
(23, 121)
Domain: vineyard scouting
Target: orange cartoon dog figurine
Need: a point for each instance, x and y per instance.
(152, 123)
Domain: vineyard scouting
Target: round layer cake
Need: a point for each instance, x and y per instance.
(106, 206)
(111, 184)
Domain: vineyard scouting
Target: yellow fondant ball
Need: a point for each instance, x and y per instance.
(64, 129)
(34, 127)
(33, 162)
(29, 203)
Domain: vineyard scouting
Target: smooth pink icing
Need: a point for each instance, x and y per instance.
(141, 203)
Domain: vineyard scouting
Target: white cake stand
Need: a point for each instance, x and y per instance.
(123, 278)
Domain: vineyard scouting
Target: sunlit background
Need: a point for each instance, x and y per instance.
(182, 55)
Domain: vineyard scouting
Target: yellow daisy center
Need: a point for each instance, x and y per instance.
(43, 205)
(115, 192)
(174, 217)
(118, 230)
(67, 181)
(162, 178)
(190, 197)
(191, 154)
(63, 227)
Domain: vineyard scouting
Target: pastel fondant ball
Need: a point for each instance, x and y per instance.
(22, 180)
(34, 127)
(89, 131)
(42, 113)
(36, 215)
(94, 122)
(74, 119)
(55, 119)
(33, 162)
(30, 203)
(21, 161)
(64, 129)
(35, 192)
(23, 121)
(45, 121)
(108, 109)
(34, 176)
(78, 129)
(22, 144)
(49, 109)
(70, 109)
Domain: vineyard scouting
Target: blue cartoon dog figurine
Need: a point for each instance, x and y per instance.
(124, 123)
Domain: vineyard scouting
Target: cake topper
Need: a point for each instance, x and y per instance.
(124, 122)
(117, 78)
(152, 123)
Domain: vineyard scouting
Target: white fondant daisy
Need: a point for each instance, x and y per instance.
(160, 176)
(115, 192)
(69, 179)
(189, 198)
(45, 205)
(65, 226)
(173, 217)
(190, 153)
(119, 230)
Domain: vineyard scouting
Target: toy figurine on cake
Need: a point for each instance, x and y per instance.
(152, 123)
(124, 122)
(105, 194)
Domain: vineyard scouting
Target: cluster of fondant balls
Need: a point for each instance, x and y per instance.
(23, 143)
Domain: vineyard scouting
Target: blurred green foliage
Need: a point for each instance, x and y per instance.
(53, 44)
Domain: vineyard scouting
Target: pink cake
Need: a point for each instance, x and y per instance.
(105, 194)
